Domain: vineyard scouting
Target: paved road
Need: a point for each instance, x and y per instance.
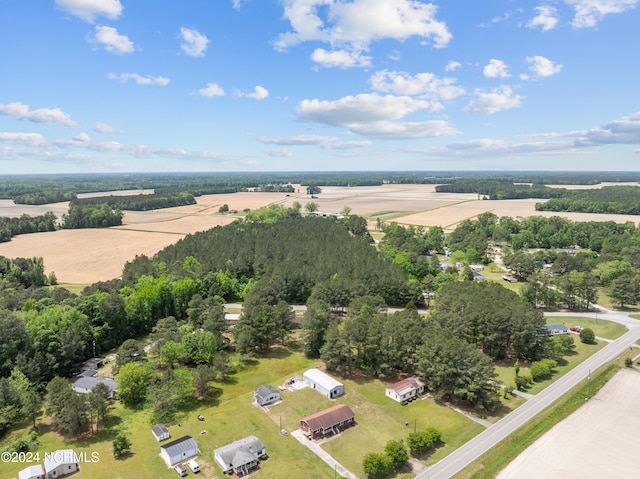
(465, 455)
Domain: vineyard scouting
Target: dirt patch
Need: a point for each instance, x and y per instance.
(598, 440)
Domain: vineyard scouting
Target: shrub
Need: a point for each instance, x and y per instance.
(377, 465)
(540, 370)
(587, 336)
(522, 382)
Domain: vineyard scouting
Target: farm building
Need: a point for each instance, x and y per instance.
(328, 422)
(555, 329)
(160, 432)
(32, 472)
(240, 456)
(179, 450)
(323, 382)
(406, 390)
(266, 394)
(509, 279)
(85, 384)
(60, 463)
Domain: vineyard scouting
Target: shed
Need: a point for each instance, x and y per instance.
(555, 329)
(406, 390)
(160, 432)
(477, 276)
(32, 472)
(179, 450)
(266, 394)
(328, 422)
(324, 383)
(85, 384)
(60, 463)
(240, 456)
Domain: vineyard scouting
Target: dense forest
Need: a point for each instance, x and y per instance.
(622, 200)
(138, 202)
(10, 227)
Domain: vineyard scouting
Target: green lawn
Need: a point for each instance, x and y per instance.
(601, 327)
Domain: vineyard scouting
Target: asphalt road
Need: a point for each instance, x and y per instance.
(469, 452)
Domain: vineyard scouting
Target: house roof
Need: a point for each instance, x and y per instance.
(329, 417)
(240, 452)
(407, 385)
(265, 390)
(177, 447)
(551, 327)
(89, 382)
(58, 458)
(322, 379)
(31, 471)
(159, 429)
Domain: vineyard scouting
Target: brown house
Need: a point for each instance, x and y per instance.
(328, 422)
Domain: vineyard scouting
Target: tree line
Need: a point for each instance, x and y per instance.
(140, 202)
(621, 200)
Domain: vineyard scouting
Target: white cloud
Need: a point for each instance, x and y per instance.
(193, 43)
(236, 4)
(589, 12)
(42, 115)
(103, 128)
(624, 131)
(498, 99)
(139, 79)
(211, 90)
(82, 137)
(31, 139)
(543, 67)
(297, 140)
(496, 69)
(426, 85)
(405, 130)
(353, 25)
(546, 19)
(259, 93)
(112, 41)
(88, 10)
(279, 152)
(452, 66)
(340, 58)
(346, 145)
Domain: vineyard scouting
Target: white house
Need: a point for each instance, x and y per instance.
(406, 390)
(32, 472)
(324, 383)
(240, 456)
(60, 463)
(555, 329)
(160, 432)
(179, 450)
(266, 394)
(84, 384)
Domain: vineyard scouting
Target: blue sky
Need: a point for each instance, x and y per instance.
(310, 85)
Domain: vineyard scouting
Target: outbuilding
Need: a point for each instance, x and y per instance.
(324, 383)
(266, 394)
(32, 472)
(179, 450)
(160, 432)
(60, 463)
(328, 422)
(406, 390)
(240, 456)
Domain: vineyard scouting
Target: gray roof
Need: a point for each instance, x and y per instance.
(240, 452)
(321, 378)
(551, 327)
(159, 429)
(265, 390)
(177, 447)
(90, 382)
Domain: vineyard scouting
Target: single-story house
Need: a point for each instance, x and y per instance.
(60, 463)
(85, 384)
(240, 456)
(445, 266)
(160, 432)
(32, 472)
(327, 422)
(556, 329)
(476, 267)
(232, 318)
(179, 450)
(477, 276)
(266, 394)
(406, 390)
(93, 363)
(324, 383)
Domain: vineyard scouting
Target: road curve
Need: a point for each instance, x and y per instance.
(469, 452)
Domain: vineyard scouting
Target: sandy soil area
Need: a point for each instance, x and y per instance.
(597, 441)
(87, 256)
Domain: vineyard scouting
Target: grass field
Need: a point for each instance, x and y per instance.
(601, 328)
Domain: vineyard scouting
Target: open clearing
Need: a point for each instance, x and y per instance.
(596, 441)
(87, 256)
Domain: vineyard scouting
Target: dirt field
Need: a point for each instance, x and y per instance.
(87, 256)
(597, 441)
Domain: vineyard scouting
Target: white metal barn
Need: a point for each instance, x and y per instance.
(179, 450)
(60, 463)
(32, 472)
(324, 383)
